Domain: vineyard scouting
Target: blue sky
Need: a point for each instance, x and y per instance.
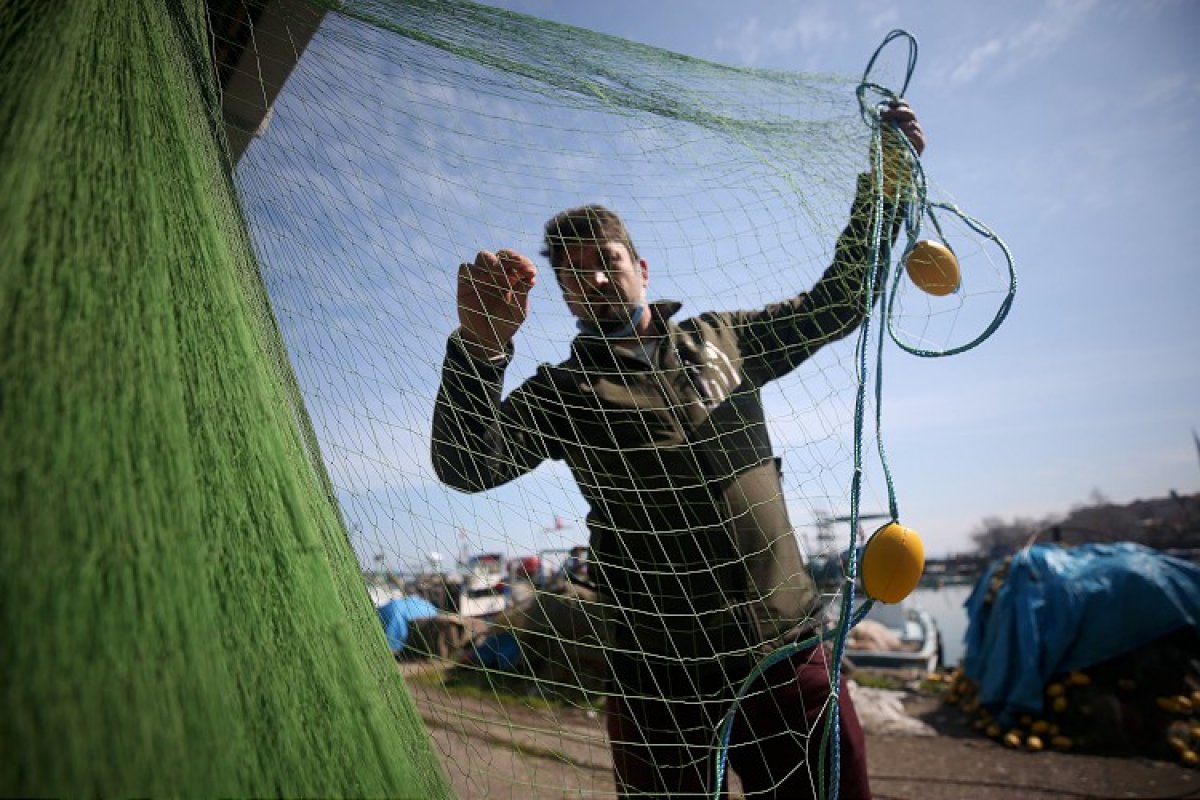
(1068, 127)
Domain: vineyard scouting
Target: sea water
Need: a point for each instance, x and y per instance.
(945, 605)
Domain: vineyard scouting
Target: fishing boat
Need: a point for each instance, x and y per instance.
(900, 637)
(484, 592)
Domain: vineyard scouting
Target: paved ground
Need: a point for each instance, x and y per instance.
(494, 750)
(957, 763)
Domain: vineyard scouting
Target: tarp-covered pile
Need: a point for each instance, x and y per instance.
(1051, 610)
(398, 615)
(553, 636)
(1091, 648)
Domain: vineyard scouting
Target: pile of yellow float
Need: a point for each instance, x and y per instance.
(1067, 721)
(1183, 734)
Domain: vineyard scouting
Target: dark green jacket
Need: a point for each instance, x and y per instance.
(691, 545)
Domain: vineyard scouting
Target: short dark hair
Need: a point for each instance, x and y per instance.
(589, 225)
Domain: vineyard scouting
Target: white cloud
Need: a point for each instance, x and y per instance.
(752, 42)
(881, 18)
(1178, 88)
(1033, 42)
(976, 60)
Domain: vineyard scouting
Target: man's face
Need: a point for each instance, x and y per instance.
(602, 283)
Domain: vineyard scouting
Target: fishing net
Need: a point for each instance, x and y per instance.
(182, 615)
(250, 438)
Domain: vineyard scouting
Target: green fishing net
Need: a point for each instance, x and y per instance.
(181, 612)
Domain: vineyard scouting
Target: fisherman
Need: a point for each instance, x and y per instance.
(662, 425)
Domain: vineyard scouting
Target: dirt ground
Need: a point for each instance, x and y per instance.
(511, 750)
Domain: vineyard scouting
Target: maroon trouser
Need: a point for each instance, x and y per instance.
(667, 746)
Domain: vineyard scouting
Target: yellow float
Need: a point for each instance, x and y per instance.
(892, 563)
(933, 268)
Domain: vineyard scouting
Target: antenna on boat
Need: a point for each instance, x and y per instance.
(827, 536)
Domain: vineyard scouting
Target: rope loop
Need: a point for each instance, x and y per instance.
(1001, 311)
(870, 110)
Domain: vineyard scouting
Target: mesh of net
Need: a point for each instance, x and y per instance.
(203, 404)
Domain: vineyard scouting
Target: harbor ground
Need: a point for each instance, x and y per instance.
(917, 748)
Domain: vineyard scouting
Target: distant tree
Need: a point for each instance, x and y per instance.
(1168, 522)
(1103, 522)
(995, 536)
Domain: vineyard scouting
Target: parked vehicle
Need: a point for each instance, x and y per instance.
(570, 563)
(484, 592)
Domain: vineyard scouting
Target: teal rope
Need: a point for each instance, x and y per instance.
(782, 654)
(878, 271)
(914, 211)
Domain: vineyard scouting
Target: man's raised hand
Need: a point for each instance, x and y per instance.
(898, 120)
(493, 300)
(900, 113)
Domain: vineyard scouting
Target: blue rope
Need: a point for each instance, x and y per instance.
(725, 731)
(915, 210)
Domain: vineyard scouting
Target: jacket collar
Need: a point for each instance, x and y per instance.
(661, 312)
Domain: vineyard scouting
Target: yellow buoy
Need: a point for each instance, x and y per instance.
(933, 268)
(892, 563)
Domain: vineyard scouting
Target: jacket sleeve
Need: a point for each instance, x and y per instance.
(775, 340)
(480, 441)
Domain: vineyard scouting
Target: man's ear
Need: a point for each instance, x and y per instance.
(645, 272)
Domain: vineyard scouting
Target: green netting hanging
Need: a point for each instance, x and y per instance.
(182, 615)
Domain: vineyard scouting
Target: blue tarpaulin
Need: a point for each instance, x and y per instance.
(1063, 609)
(500, 650)
(396, 615)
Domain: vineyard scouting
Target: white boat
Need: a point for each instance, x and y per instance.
(900, 636)
(484, 592)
